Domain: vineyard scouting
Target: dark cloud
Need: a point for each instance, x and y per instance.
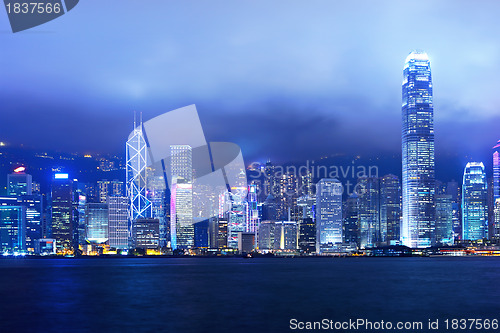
(290, 80)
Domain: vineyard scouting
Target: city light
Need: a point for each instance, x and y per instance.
(61, 176)
(19, 169)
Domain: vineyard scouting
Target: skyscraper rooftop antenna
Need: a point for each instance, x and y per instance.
(135, 116)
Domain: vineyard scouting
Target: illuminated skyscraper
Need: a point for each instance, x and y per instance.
(496, 225)
(236, 222)
(96, 222)
(12, 225)
(474, 202)
(34, 212)
(63, 225)
(328, 214)
(453, 189)
(181, 197)
(444, 219)
(118, 222)
(418, 228)
(351, 220)
(390, 209)
(137, 161)
(496, 171)
(369, 211)
(496, 190)
(252, 214)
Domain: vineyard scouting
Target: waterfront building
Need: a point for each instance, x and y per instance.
(496, 190)
(12, 227)
(96, 222)
(474, 202)
(136, 167)
(146, 234)
(64, 228)
(390, 210)
(418, 227)
(444, 219)
(181, 197)
(351, 221)
(368, 189)
(307, 235)
(328, 213)
(118, 236)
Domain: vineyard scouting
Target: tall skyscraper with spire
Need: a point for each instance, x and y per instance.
(418, 228)
(137, 161)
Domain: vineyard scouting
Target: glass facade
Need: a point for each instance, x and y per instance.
(496, 190)
(328, 213)
(96, 221)
(368, 189)
(181, 198)
(390, 210)
(63, 228)
(474, 202)
(418, 228)
(444, 219)
(12, 228)
(118, 222)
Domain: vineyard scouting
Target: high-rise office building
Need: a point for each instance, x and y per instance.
(181, 197)
(265, 236)
(19, 183)
(236, 222)
(252, 214)
(496, 170)
(444, 219)
(495, 234)
(307, 226)
(96, 222)
(34, 214)
(496, 225)
(390, 210)
(307, 235)
(12, 225)
(221, 233)
(328, 214)
(453, 189)
(137, 162)
(351, 221)
(80, 219)
(63, 224)
(159, 205)
(118, 222)
(474, 202)
(418, 228)
(202, 234)
(369, 211)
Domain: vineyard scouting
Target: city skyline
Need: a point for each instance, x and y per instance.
(249, 166)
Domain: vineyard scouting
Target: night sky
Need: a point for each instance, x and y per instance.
(287, 80)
